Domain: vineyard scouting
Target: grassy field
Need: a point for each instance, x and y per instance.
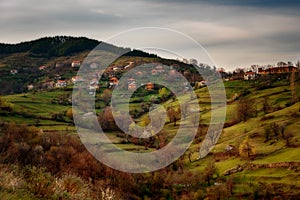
(37, 109)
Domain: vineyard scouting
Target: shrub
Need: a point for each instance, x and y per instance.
(246, 149)
(72, 187)
(39, 182)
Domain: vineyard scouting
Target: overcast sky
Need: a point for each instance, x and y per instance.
(235, 33)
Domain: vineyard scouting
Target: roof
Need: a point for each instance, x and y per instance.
(113, 79)
(249, 73)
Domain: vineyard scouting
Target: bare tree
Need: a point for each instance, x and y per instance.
(266, 105)
(209, 171)
(245, 109)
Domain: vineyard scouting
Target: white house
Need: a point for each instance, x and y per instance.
(30, 87)
(13, 71)
(61, 83)
(94, 65)
(94, 81)
(131, 64)
(77, 79)
(76, 63)
(249, 76)
(118, 68)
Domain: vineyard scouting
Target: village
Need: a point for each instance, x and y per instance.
(110, 77)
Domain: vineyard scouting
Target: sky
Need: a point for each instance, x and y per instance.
(234, 33)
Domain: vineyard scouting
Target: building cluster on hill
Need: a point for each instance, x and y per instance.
(256, 71)
(57, 81)
(113, 73)
(110, 77)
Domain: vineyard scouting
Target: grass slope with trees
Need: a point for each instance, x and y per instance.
(256, 157)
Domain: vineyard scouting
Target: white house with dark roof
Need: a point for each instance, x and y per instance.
(13, 71)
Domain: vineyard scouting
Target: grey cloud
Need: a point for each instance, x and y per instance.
(261, 30)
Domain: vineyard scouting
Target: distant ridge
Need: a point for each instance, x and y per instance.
(48, 47)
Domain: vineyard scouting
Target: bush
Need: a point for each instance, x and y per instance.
(72, 187)
(39, 182)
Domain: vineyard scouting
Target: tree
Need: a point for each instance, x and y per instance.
(164, 93)
(276, 129)
(266, 105)
(172, 114)
(209, 171)
(267, 133)
(4, 105)
(288, 139)
(69, 113)
(245, 109)
(106, 96)
(145, 120)
(106, 119)
(246, 149)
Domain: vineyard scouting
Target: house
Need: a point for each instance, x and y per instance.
(77, 79)
(30, 87)
(60, 84)
(139, 73)
(57, 77)
(277, 70)
(87, 115)
(113, 82)
(42, 68)
(48, 85)
(154, 72)
(249, 76)
(149, 86)
(173, 72)
(13, 71)
(76, 63)
(131, 64)
(93, 87)
(160, 69)
(57, 65)
(94, 65)
(132, 86)
(131, 80)
(231, 149)
(117, 68)
(94, 81)
(174, 75)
